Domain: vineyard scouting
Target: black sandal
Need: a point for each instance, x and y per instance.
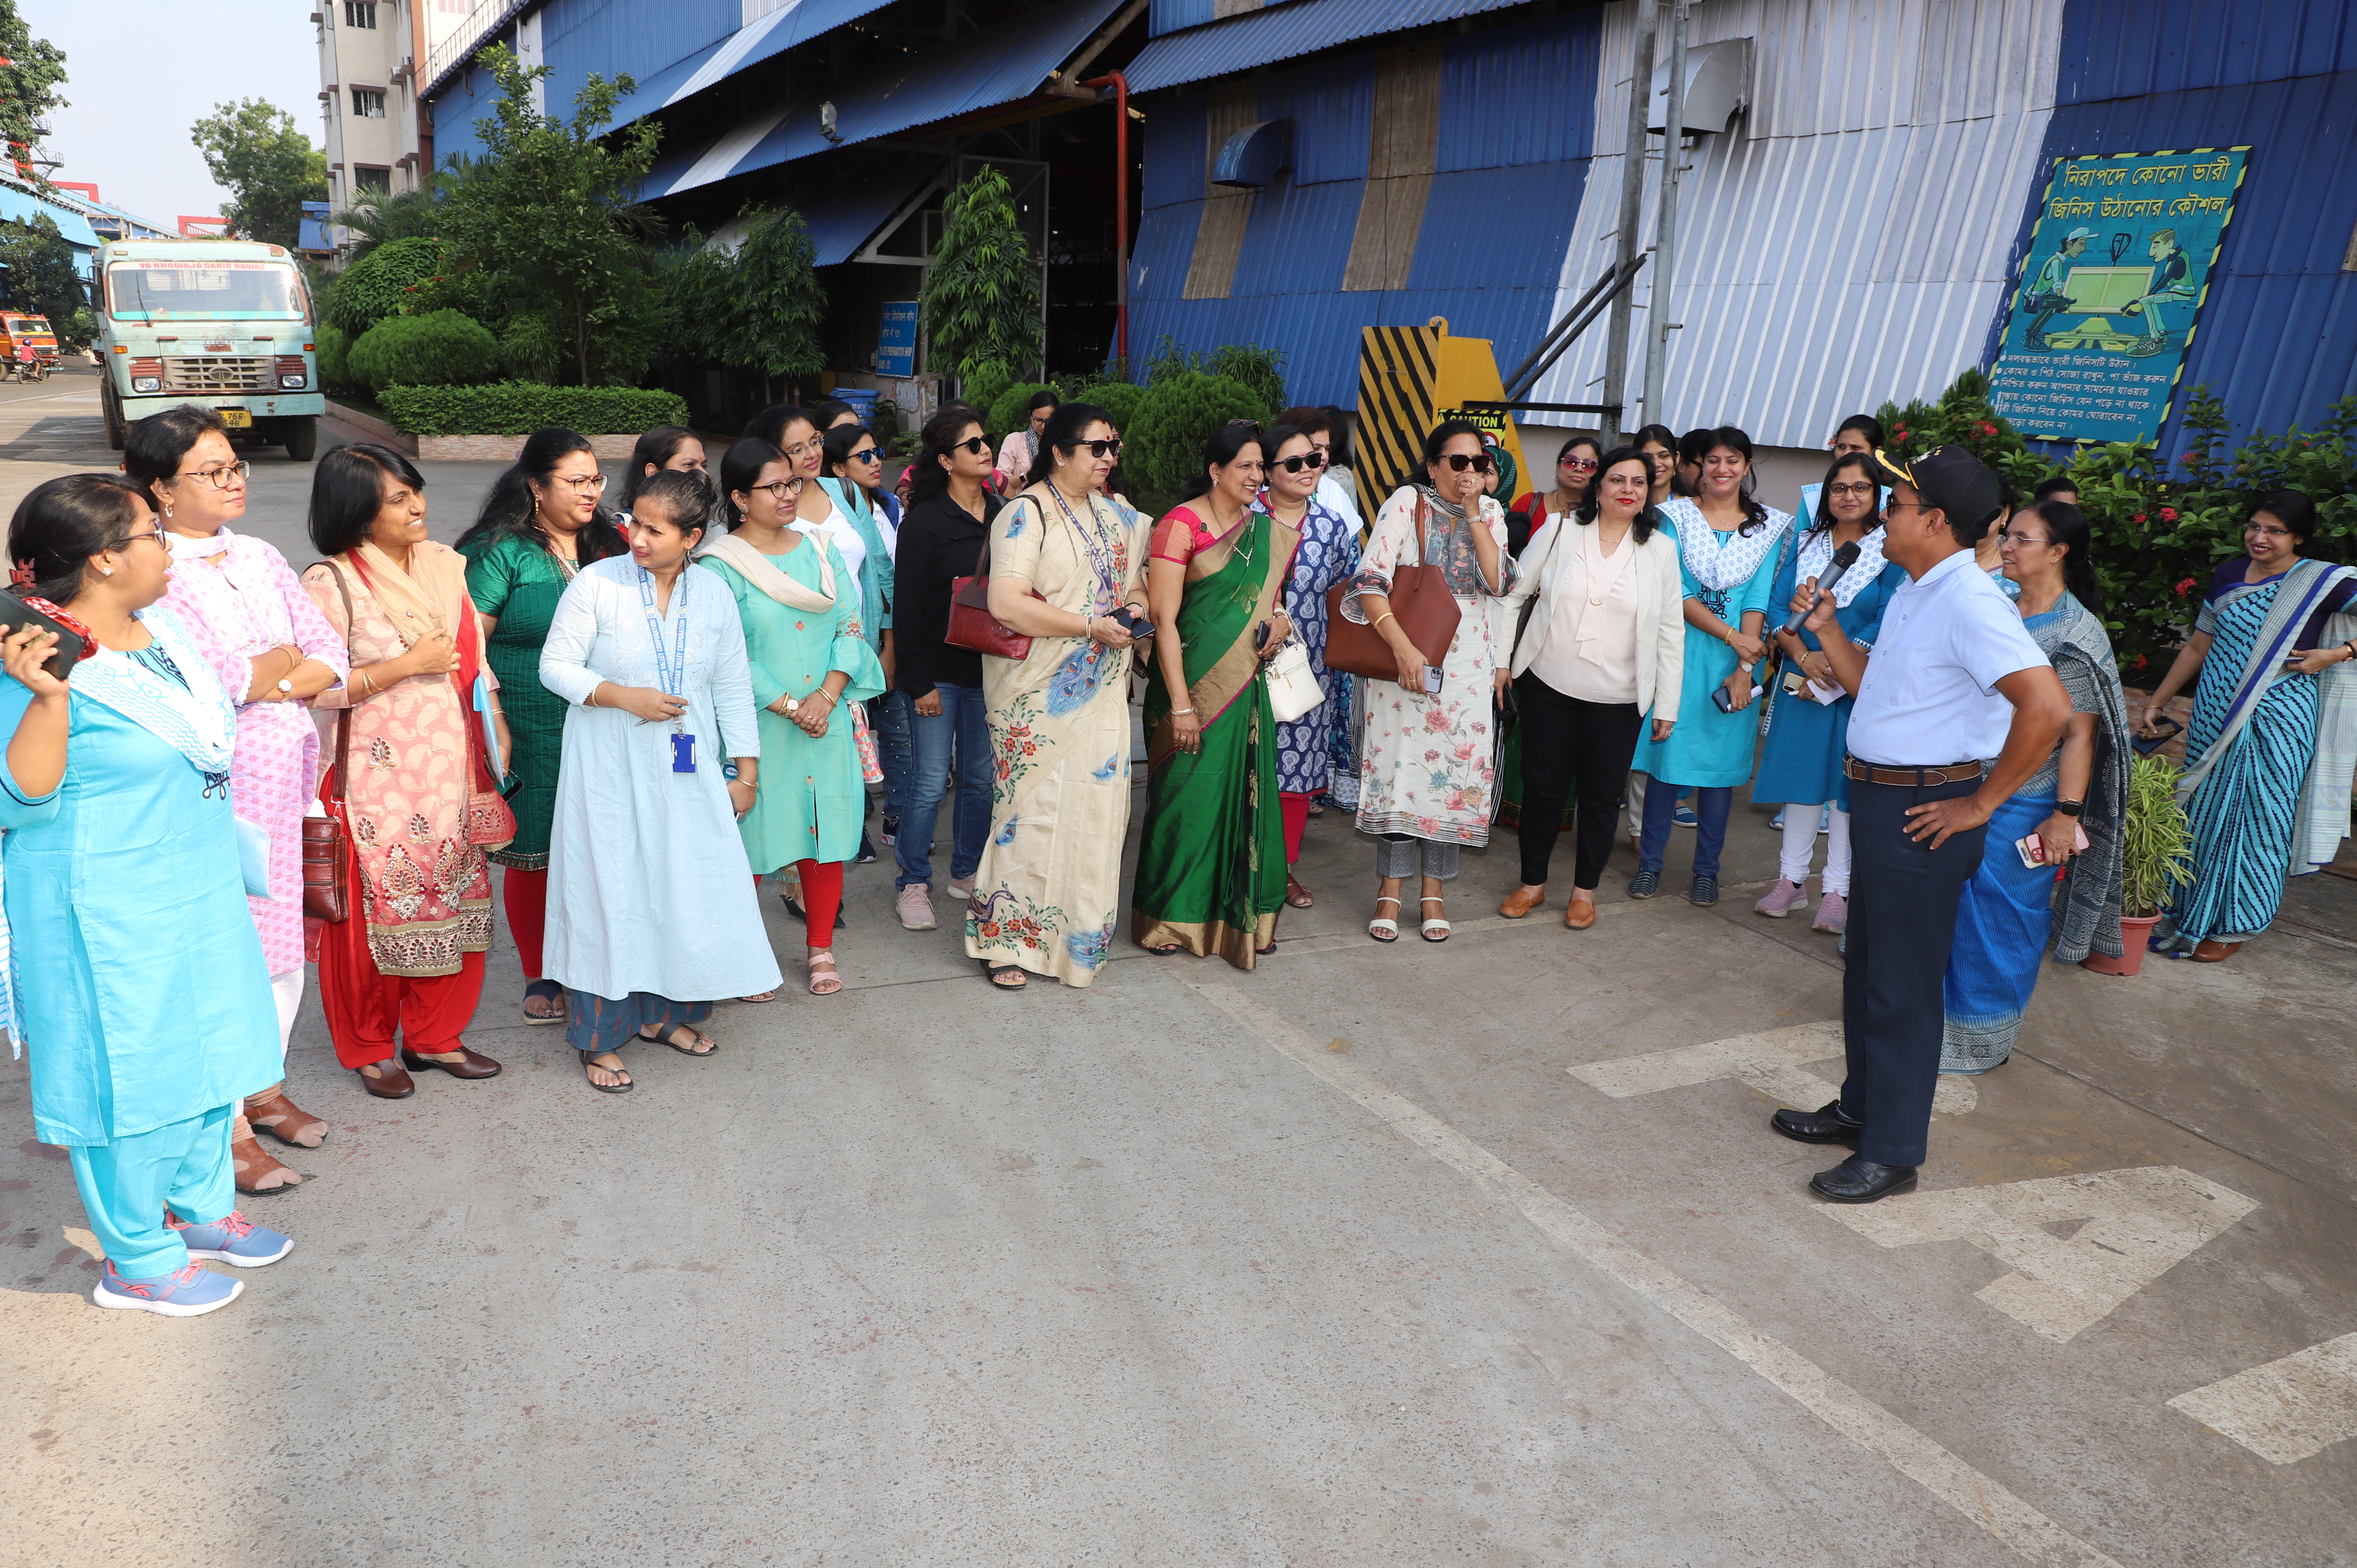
(532, 992)
(588, 1060)
(670, 1038)
(995, 974)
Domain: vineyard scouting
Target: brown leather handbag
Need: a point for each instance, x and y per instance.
(328, 841)
(972, 626)
(1421, 602)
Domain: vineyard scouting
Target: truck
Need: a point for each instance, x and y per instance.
(16, 328)
(220, 324)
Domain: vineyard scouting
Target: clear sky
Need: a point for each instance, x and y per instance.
(139, 73)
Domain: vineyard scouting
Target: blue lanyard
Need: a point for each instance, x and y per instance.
(673, 673)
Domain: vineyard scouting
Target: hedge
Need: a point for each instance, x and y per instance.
(1179, 414)
(1120, 400)
(440, 349)
(519, 408)
(383, 283)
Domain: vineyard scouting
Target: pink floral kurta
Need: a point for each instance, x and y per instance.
(237, 598)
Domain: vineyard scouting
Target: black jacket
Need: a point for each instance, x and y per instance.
(939, 541)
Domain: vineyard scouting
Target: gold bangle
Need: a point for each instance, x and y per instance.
(1380, 619)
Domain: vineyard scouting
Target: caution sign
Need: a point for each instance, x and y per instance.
(1410, 380)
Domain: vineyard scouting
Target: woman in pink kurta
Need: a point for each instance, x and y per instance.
(267, 644)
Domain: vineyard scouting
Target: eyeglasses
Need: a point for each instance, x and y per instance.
(801, 449)
(220, 478)
(867, 455)
(1857, 489)
(1902, 506)
(155, 533)
(580, 484)
(778, 491)
(1244, 424)
(973, 444)
(2007, 533)
(1098, 448)
(1306, 460)
(1479, 462)
(1580, 463)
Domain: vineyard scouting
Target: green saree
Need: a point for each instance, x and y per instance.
(1210, 868)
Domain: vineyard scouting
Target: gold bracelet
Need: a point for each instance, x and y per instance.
(591, 700)
(1380, 619)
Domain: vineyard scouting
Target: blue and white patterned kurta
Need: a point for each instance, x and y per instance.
(1328, 556)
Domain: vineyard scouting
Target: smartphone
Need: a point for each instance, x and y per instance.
(15, 613)
(1137, 625)
(1726, 704)
(1432, 680)
(2033, 848)
(1260, 637)
(2146, 744)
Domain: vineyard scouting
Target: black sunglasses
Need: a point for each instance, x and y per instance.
(1479, 462)
(1306, 460)
(1098, 448)
(973, 444)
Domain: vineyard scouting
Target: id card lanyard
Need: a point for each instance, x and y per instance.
(672, 672)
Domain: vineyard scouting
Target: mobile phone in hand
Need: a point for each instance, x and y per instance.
(1726, 704)
(1130, 621)
(2146, 744)
(1432, 680)
(2032, 849)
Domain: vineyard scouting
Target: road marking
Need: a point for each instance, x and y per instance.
(1978, 1497)
(2287, 1410)
(1772, 1061)
(2133, 1225)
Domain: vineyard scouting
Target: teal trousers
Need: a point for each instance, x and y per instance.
(126, 1185)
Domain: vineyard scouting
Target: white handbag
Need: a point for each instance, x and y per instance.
(1293, 688)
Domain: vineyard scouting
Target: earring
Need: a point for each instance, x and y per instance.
(106, 570)
(168, 514)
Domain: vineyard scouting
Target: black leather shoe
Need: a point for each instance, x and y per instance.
(1859, 1180)
(1828, 1125)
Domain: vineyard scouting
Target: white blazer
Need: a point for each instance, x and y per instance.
(1548, 571)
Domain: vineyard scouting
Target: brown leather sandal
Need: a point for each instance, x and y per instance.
(256, 1171)
(280, 1117)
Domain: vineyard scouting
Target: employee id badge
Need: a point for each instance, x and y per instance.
(683, 752)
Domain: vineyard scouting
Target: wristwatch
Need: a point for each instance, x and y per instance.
(2070, 807)
(285, 687)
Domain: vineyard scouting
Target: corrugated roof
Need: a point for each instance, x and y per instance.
(1282, 33)
(849, 214)
(22, 207)
(2131, 48)
(1005, 63)
(748, 46)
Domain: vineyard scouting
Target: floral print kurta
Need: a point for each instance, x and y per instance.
(1328, 556)
(1047, 896)
(1427, 765)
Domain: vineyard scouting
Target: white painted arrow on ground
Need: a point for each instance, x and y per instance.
(2287, 1410)
(1774, 1061)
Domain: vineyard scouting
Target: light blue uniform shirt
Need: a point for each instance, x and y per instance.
(1930, 694)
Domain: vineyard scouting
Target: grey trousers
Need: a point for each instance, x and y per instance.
(1397, 855)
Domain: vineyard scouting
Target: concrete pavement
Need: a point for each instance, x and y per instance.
(1373, 1255)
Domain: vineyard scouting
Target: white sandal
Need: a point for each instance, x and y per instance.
(1384, 930)
(1431, 926)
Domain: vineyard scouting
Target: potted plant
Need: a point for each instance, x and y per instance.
(2155, 857)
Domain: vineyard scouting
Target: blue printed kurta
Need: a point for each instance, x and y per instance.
(1328, 556)
(1800, 760)
(1708, 748)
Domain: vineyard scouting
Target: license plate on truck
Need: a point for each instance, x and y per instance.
(236, 418)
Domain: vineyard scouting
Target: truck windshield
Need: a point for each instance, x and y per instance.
(203, 291)
(27, 324)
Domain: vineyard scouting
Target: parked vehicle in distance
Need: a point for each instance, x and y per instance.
(220, 324)
(17, 329)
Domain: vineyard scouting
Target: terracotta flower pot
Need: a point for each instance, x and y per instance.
(2134, 931)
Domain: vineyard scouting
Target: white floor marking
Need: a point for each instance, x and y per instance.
(2287, 1410)
(2133, 1225)
(1774, 1061)
(2028, 1532)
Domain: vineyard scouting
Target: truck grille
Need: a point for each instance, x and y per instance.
(219, 373)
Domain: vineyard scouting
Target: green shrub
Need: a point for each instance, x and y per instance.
(1120, 400)
(335, 351)
(1262, 369)
(2155, 839)
(982, 386)
(439, 349)
(1178, 414)
(530, 351)
(386, 282)
(518, 408)
(1006, 412)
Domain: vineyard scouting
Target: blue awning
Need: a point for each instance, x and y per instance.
(23, 206)
(314, 235)
(1001, 66)
(796, 23)
(1283, 32)
(843, 220)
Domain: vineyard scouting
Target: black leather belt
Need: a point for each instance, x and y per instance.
(1913, 778)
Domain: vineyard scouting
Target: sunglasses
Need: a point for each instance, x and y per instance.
(866, 455)
(1479, 463)
(973, 444)
(1580, 463)
(1306, 460)
(1098, 448)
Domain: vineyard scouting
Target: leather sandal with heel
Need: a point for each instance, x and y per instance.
(1434, 923)
(589, 1059)
(1381, 927)
(256, 1171)
(281, 1118)
(695, 1039)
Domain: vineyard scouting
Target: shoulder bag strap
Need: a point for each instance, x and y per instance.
(343, 715)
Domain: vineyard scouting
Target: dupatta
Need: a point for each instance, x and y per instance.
(1233, 583)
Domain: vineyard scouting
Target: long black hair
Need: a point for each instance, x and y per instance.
(66, 521)
(1691, 447)
(1822, 518)
(153, 446)
(1755, 516)
(941, 434)
(1226, 445)
(511, 508)
(740, 468)
(347, 492)
(1866, 425)
(769, 425)
(1627, 452)
(657, 447)
(2066, 525)
(1338, 428)
(1063, 433)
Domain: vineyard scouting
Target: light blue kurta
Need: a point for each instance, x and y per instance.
(1710, 749)
(813, 796)
(1801, 757)
(648, 886)
(142, 995)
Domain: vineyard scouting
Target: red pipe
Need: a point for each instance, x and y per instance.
(1120, 84)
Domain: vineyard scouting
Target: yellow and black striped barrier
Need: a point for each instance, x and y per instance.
(1410, 379)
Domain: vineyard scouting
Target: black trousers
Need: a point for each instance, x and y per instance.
(1564, 740)
(1902, 921)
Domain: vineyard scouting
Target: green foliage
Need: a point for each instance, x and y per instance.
(1965, 417)
(518, 408)
(548, 217)
(2155, 839)
(758, 308)
(1120, 400)
(1262, 369)
(439, 349)
(30, 82)
(252, 150)
(335, 349)
(983, 384)
(1164, 445)
(379, 218)
(78, 330)
(530, 351)
(391, 280)
(981, 298)
(1006, 410)
(42, 276)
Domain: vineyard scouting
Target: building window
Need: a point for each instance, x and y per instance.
(359, 14)
(366, 176)
(367, 102)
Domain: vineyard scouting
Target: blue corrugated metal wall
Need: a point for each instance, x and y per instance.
(1169, 15)
(2277, 334)
(610, 36)
(468, 98)
(1515, 137)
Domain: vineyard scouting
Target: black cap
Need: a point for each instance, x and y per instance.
(1950, 480)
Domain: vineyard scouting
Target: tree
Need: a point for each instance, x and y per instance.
(268, 167)
(28, 83)
(42, 277)
(981, 299)
(758, 308)
(549, 216)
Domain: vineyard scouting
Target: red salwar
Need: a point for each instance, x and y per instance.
(821, 898)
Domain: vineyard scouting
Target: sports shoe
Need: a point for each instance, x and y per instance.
(1705, 892)
(866, 855)
(1833, 914)
(915, 907)
(190, 1293)
(962, 893)
(1645, 884)
(1826, 818)
(1780, 900)
(1776, 822)
(232, 1239)
(1685, 817)
(891, 831)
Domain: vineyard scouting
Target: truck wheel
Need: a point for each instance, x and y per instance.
(115, 428)
(302, 439)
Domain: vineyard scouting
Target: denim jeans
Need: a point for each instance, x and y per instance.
(962, 727)
(888, 716)
(1711, 807)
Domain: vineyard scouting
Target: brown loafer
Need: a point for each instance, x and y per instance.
(1522, 901)
(391, 1084)
(1580, 914)
(468, 1065)
(2210, 949)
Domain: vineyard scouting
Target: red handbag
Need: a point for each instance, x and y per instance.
(972, 626)
(1420, 601)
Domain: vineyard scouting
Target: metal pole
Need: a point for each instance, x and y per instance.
(1120, 85)
(1665, 232)
(1633, 204)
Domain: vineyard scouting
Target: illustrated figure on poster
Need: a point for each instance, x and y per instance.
(2172, 285)
(2046, 298)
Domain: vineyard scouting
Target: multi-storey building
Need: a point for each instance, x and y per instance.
(380, 138)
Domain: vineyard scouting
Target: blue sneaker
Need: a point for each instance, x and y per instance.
(235, 1240)
(1685, 817)
(1645, 884)
(190, 1293)
(1825, 816)
(1776, 822)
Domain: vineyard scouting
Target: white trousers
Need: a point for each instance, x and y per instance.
(1801, 841)
(286, 990)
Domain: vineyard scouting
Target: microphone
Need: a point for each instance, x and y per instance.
(1844, 559)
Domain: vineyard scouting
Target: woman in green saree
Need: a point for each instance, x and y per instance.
(1210, 868)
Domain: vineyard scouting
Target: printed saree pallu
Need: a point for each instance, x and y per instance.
(1211, 868)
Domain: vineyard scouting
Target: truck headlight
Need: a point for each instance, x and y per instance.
(146, 383)
(291, 384)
